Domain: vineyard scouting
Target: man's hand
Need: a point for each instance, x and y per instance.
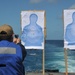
(16, 40)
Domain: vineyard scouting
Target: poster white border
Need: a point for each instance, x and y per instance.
(25, 21)
(67, 14)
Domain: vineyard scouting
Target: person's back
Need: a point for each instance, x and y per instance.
(10, 59)
(10, 54)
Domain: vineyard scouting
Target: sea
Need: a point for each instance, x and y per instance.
(55, 58)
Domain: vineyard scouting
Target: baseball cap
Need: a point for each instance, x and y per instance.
(7, 29)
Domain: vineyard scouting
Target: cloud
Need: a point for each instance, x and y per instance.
(38, 1)
(72, 7)
(52, 1)
(35, 1)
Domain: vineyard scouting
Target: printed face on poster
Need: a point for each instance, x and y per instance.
(69, 29)
(32, 25)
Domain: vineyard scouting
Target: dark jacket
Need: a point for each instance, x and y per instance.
(24, 53)
(11, 58)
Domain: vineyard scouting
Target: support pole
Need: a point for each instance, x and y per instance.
(43, 59)
(43, 62)
(66, 62)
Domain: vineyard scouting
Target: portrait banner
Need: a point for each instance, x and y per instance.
(32, 26)
(69, 28)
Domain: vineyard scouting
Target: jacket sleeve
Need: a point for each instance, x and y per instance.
(24, 53)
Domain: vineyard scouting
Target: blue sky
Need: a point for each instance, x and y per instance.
(10, 11)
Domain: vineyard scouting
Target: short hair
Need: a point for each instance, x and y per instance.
(6, 32)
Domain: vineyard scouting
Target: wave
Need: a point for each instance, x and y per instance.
(54, 57)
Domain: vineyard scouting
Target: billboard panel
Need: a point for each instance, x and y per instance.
(69, 29)
(32, 25)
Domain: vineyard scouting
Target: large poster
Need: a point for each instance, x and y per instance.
(32, 24)
(69, 29)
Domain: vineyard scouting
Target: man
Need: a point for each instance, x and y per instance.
(12, 52)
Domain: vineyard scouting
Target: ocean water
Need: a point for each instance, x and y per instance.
(54, 57)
